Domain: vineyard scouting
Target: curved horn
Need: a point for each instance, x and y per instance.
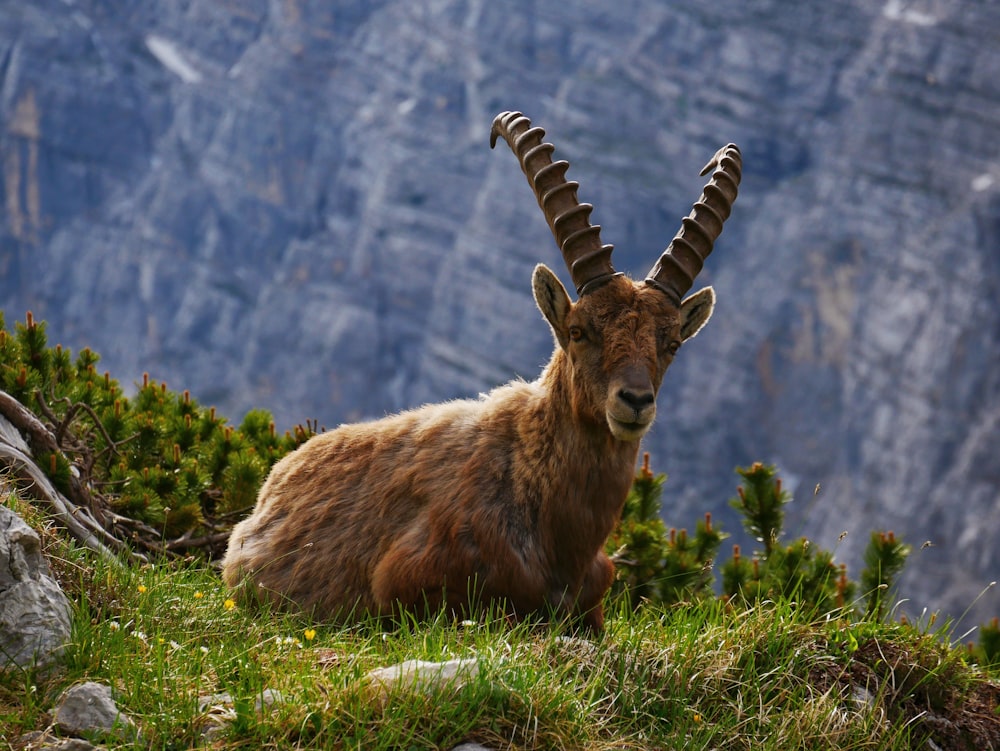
(680, 263)
(588, 261)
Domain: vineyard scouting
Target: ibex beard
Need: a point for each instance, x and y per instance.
(508, 499)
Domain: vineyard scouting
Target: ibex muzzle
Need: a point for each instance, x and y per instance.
(631, 403)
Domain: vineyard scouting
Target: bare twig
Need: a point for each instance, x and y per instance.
(47, 412)
(117, 520)
(184, 542)
(71, 411)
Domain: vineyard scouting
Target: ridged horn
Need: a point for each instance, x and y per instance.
(681, 262)
(588, 261)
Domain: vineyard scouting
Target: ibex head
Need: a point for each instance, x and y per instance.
(620, 336)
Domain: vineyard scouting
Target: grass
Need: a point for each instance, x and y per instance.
(704, 676)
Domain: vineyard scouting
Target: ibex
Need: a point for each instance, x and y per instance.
(507, 499)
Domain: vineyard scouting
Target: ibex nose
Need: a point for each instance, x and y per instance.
(637, 399)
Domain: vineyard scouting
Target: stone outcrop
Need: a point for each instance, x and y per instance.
(34, 611)
(293, 206)
(90, 709)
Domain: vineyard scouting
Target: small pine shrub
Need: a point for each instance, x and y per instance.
(657, 565)
(241, 479)
(799, 570)
(654, 564)
(988, 653)
(885, 556)
(760, 499)
(157, 457)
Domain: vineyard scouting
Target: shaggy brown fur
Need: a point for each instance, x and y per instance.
(506, 499)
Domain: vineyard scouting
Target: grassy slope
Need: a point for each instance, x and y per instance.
(694, 677)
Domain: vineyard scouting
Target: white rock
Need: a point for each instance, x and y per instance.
(424, 676)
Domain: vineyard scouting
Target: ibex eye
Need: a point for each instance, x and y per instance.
(672, 346)
(575, 333)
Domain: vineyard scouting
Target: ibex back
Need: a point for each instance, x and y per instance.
(507, 499)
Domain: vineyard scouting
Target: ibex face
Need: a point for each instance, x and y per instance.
(620, 336)
(619, 341)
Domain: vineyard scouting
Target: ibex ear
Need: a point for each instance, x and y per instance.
(695, 312)
(552, 299)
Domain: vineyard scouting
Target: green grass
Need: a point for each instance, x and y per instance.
(759, 674)
(695, 677)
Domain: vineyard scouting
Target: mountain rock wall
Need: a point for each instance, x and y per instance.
(292, 205)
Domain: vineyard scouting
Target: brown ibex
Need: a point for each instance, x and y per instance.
(509, 498)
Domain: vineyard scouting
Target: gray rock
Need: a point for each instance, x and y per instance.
(89, 708)
(45, 741)
(34, 611)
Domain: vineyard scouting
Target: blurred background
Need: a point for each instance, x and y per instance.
(292, 205)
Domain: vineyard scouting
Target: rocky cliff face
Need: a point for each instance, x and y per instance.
(292, 205)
